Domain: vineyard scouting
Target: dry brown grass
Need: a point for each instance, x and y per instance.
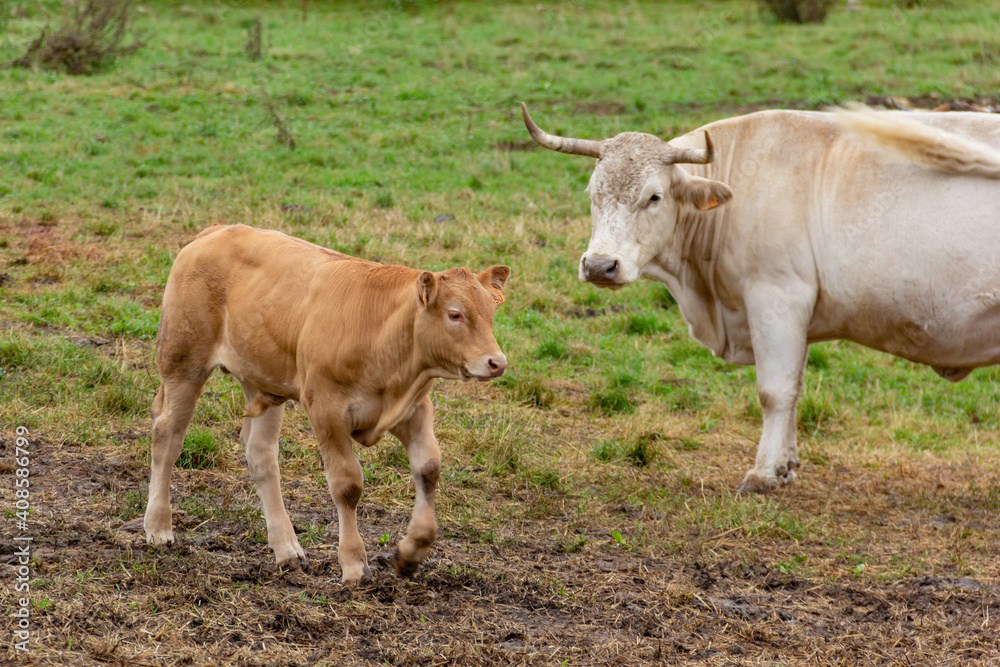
(701, 594)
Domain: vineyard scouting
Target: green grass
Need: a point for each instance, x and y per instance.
(409, 149)
(201, 450)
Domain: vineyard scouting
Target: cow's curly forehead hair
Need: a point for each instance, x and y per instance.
(626, 163)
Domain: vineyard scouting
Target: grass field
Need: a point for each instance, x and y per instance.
(586, 506)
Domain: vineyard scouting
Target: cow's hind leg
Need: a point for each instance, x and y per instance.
(260, 442)
(778, 322)
(172, 410)
(417, 435)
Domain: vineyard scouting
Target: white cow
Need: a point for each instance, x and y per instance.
(881, 228)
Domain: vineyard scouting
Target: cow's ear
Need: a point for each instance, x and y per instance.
(700, 192)
(427, 287)
(495, 277)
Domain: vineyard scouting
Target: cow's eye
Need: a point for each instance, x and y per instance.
(456, 316)
(654, 199)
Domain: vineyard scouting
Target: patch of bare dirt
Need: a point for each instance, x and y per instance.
(103, 597)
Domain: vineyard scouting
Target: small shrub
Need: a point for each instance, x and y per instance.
(90, 38)
(797, 11)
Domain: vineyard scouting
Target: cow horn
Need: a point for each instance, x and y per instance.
(674, 155)
(562, 144)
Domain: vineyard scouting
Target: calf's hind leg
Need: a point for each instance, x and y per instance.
(172, 410)
(260, 442)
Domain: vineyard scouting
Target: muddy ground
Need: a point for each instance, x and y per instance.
(101, 596)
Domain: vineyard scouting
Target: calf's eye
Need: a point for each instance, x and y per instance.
(455, 316)
(654, 198)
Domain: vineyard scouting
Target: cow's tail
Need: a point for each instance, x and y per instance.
(921, 143)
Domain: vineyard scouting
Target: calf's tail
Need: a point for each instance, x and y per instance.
(922, 143)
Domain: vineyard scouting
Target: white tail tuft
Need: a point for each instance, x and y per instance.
(921, 143)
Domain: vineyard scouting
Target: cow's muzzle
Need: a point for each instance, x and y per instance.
(601, 270)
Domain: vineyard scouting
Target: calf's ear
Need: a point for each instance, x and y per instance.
(427, 287)
(495, 277)
(700, 192)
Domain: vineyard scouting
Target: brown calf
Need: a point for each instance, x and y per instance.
(358, 344)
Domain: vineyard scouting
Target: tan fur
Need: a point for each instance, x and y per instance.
(359, 344)
(921, 143)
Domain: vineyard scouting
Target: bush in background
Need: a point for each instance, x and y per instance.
(90, 36)
(798, 11)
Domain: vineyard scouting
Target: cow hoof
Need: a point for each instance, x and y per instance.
(404, 568)
(754, 483)
(757, 483)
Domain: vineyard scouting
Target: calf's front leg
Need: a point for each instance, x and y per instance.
(417, 435)
(345, 479)
(778, 323)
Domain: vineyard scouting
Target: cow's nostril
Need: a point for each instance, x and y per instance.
(492, 364)
(612, 269)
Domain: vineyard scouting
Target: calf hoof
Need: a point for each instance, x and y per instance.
(294, 564)
(355, 579)
(404, 568)
(159, 539)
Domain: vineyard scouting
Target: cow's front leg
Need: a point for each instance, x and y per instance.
(345, 480)
(778, 321)
(417, 435)
(260, 442)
